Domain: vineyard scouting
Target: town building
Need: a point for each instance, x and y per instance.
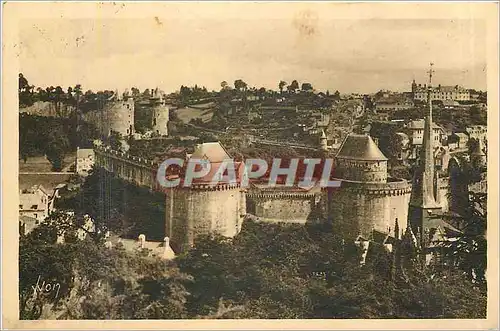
(35, 202)
(393, 102)
(415, 131)
(457, 93)
(85, 159)
(461, 139)
(478, 132)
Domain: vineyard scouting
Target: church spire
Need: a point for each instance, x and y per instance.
(423, 203)
(427, 157)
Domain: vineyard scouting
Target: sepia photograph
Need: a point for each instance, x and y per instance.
(252, 161)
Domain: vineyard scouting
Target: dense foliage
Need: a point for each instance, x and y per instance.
(95, 282)
(118, 206)
(53, 137)
(267, 271)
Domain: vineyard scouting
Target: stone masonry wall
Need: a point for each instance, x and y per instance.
(160, 120)
(359, 208)
(283, 208)
(191, 212)
(363, 171)
(116, 116)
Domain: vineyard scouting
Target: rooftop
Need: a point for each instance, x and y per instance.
(84, 153)
(419, 124)
(214, 152)
(360, 147)
(48, 180)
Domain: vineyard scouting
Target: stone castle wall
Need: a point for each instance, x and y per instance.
(283, 207)
(131, 169)
(355, 208)
(359, 208)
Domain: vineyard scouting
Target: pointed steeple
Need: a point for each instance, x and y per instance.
(427, 158)
(423, 203)
(423, 194)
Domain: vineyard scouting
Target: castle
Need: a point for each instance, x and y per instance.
(368, 201)
(117, 114)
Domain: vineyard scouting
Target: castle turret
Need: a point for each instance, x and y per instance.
(160, 113)
(366, 199)
(359, 159)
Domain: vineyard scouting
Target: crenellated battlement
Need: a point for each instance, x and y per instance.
(390, 188)
(118, 155)
(209, 187)
(281, 195)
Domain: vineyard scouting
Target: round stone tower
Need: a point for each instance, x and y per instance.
(118, 115)
(367, 201)
(203, 208)
(160, 113)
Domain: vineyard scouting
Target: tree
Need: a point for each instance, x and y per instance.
(477, 116)
(58, 98)
(336, 95)
(472, 145)
(223, 84)
(281, 85)
(42, 261)
(57, 146)
(307, 87)
(25, 91)
(240, 85)
(135, 92)
(23, 84)
(470, 250)
(96, 282)
(294, 86)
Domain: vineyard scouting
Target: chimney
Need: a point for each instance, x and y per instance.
(142, 240)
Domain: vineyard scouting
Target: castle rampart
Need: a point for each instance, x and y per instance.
(276, 206)
(357, 208)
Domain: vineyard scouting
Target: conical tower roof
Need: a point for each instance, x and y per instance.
(360, 147)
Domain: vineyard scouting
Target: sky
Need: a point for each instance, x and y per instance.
(349, 55)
